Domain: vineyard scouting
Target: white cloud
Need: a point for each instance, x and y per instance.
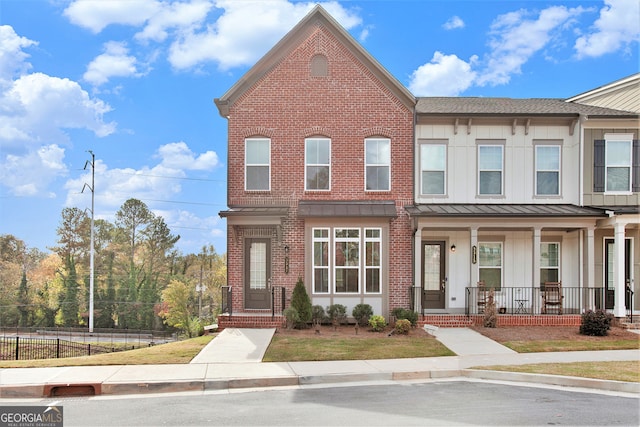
(96, 15)
(453, 23)
(30, 174)
(177, 155)
(245, 31)
(114, 62)
(515, 39)
(618, 25)
(179, 16)
(35, 111)
(13, 60)
(444, 75)
(42, 106)
(149, 182)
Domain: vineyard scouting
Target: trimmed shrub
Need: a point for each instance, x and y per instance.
(317, 315)
(596, 323)
(377, 323)
(292, 317)
(337, 314)
(362, 313)
(301, 302)
(403, 326)
(404, 313)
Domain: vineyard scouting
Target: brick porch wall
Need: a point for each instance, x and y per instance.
(503, 320)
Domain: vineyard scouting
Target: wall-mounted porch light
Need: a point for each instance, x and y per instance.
(453, 248)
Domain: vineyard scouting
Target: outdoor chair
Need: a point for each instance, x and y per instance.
(482, 296)
(552, 297)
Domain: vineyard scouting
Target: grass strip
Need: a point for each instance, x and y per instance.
(613, 371)
(570, 345)
(299, 349)
(175, 352)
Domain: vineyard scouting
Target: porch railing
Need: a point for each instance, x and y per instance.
(278, 300)
(529, 301)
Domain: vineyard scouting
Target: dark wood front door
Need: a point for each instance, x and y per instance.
(433, 277)
(257, 273)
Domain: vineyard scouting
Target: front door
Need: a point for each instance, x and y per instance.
(608, 271)
(257, 273)
(433, 278)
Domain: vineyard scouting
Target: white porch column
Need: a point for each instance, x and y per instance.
(474, 263)
(618, 270)
(537, 238)
(589, 259)
(417, 270)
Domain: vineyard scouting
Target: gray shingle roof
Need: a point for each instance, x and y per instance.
(502, 210)
(510, 106)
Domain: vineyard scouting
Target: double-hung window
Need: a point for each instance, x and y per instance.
(618, 164)
(317, 160)
(377, 164)
(490, 264)
(257, 156)
(372, 242)
(547, 170)
(549, 262)
(347, 260)
(490, 166)
(433, 172)
(320, 260)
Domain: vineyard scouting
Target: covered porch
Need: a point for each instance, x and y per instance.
(513, 249)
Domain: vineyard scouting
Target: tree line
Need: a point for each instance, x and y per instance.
(140, 280)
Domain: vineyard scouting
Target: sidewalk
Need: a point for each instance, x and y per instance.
(232, 360)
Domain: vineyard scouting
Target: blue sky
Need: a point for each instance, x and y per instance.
(134, 82)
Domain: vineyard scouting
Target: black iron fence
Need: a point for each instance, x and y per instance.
(278, 300)
(535, 301)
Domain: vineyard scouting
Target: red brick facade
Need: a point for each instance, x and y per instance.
(288, 103)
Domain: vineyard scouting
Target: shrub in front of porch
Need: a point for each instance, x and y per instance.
(596, 323)
(302, 303)
(404, 313)
(362, 313)
(377, 323)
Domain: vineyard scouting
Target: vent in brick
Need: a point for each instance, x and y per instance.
(319, 66)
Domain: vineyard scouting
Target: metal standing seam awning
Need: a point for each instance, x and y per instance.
(357, 209)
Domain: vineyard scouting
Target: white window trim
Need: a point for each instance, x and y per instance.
(306, 164)
(501, 266)
(444, 171)
(246, 165)
(388, 165)
(365, 267)
(362, 264)
(552, 242)
(501, 170)
(559, 170)
(313, 257)
(623, 137)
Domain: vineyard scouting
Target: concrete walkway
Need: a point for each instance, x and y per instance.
(232, 360)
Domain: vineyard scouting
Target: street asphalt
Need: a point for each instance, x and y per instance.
(233, 360)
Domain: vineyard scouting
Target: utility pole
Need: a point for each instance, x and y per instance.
(91, 252)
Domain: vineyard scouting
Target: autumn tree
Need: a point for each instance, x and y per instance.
(178, 302)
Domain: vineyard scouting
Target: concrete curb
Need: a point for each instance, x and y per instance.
(146, 387)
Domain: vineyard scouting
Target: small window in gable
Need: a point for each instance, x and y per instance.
(319, 66)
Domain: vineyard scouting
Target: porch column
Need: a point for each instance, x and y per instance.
(537, 238)
(417, 263)
(618, 270)
(589, 270)
(474, 267)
